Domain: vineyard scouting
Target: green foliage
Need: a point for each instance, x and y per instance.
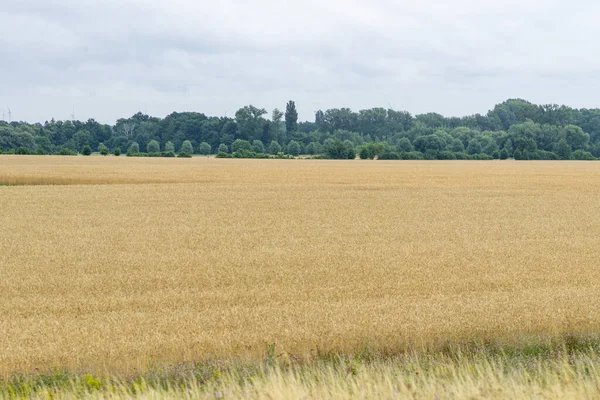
(103, 149)
(187, 148)
(563, 150)
(223, 148)
(87, 150)
(372, 150)
(117, 151)
(404, 145)
(184, 154)
(274, 147)
(258, 146)
(153, 147)
(291, 117)
(537, 132)
(240, 144)
(582, 155)
(133, 150)
(67, 152)
(22, 150)
(205, 149)
(294, 148)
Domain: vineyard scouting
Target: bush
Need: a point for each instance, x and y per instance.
(187, 148)
(240, 144)
(133, 150)
(258, 146)
(294, 148)
(411, 155)
(274, 147)
(117, 151)
(223, 148)
(184, 154)
(223, 154)
(22, 150)
(504, 154)
(338, 150)
(87, 150)
(103, 149)
(40, 151)
(67, 152)
(169, 147)
(204, 149)
(388, 155)
(582, 155)
(153, 147)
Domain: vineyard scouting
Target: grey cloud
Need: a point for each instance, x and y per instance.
(111, 57)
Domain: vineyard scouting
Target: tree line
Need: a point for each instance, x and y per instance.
(513, 129)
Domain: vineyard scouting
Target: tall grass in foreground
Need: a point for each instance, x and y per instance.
(557, 369)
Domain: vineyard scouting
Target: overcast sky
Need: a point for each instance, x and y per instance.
(113, 58)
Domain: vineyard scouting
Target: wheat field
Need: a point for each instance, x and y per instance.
(118, 263)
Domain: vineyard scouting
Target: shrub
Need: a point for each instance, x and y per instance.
(294, 148)
(187, 148)
(133, 150)
(22, 150)
(274, 147)
(40, 151)
(153, 147)
(389, 155)
(504, 154)
(103, 149)
(240, 144)
(169, 147)
(184, 154)
(204, 149)
(258, 146)
(67, 152)
(582, 155)
(87, 150)
(222, 154)
(404, 145)
(223, 148)
(117, 151)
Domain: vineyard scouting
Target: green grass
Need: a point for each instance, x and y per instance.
(536, 367)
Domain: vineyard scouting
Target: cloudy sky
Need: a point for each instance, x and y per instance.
(112, 58)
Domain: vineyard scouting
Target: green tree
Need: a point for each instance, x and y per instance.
(87, 150)
(205, 149)
(117, 151)
(274, 147)
(576, 137)
(153, 147)
(405, 145)
(133, 149)
(103, 149)
(294, 148)
(563, 149)
(258, 146)
(186, 147)
(223, 148)
(457, 146)
(291, 117)
(169, 147)
(240, 144)
(250, 122)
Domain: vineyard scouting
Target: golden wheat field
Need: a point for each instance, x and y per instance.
(118, 262)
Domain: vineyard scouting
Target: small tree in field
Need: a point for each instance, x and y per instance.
(87, 150)
(169, 147)
(117, 151)
(223, 148)
(153, 147)
(103, 149)
(204, 149)
(133, 149)
(274, 147)
(186, 147)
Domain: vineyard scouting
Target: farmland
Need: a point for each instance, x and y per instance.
(115, 263)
